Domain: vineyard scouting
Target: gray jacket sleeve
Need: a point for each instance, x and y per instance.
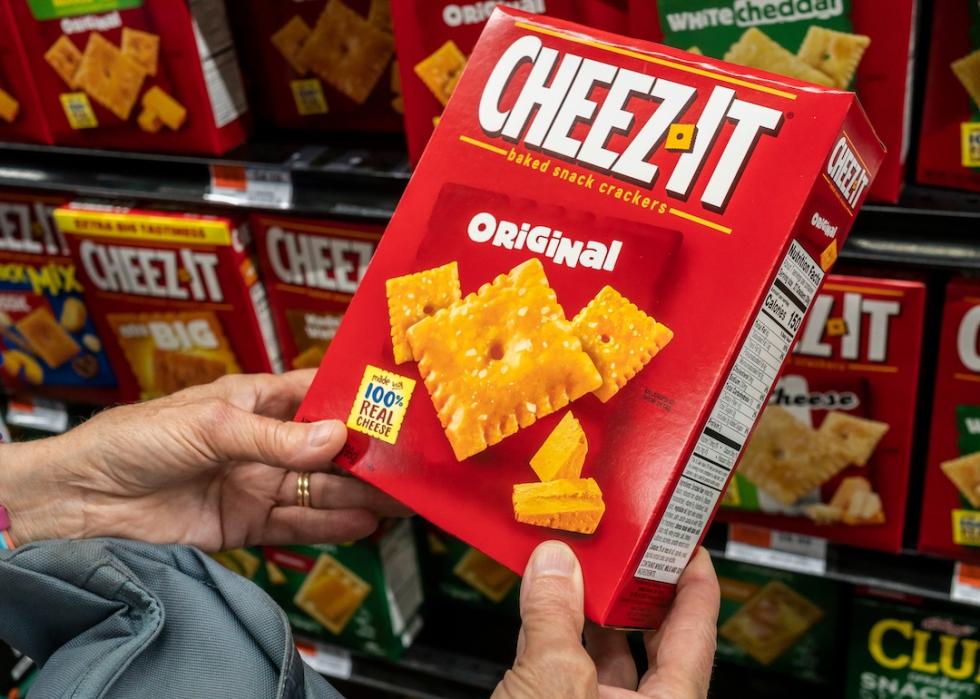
(114, 618)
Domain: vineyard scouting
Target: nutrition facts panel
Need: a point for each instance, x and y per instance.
(716, 452)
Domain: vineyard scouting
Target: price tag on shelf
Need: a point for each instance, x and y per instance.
(268, 187)
(327, 660)
(966, 583)
(765, 547)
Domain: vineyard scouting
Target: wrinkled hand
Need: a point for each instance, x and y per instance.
(213, 466)
(552, 662)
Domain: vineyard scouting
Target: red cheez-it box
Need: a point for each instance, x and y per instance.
(151, 75)
(311, 269)
(21, 118)
(176, 298)
(586, 294)
(831, 455)
(951, 505)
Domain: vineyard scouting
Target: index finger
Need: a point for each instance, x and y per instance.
(681, 652)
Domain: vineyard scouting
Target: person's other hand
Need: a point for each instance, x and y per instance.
(215, 466)
(552, 662)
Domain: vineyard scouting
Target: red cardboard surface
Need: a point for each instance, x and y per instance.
(702, 259)
(28, 123)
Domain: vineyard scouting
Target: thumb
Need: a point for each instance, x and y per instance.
(552, 596)
(299, 446)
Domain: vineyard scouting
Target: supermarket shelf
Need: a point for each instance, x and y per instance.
(928, 228)
(906, 573)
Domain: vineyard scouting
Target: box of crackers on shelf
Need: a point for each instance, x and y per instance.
(551, 340)
(321, 65)
(365, 595)
(951, 505)
(158, 75)
(457, 573)
(433, 40)
(777, 621)
(48, 339)
(311, 270)
(21, 118)
(832, 452)
(175, 296)
(904, 646)
(949, 137)
(844, 44)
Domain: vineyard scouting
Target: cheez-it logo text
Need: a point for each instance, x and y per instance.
(867, 324)
(175, 274)
(847, 173)
(556, 96)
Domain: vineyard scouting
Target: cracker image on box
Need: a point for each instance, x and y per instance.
(571, 504)
(332, 593)
(563, 453)
(500, 358)
(756, 50)
(441, 71)
(47, 338)
(837, 54)
(109, 76)
(289, 41)
(964, 472)
(768, 625)
(967, 71)
(65, 58)
(345, 49)
(9, 106)
(486, 575)
(416, 296)
(786, 458)
(854, 438)
(619, 337)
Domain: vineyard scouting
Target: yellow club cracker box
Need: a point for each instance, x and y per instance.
(158, 75)
(832, 453)
(321, 65)
(48, 338)
(175, 296)
(586, 294)
(311, 270)
(365, 595)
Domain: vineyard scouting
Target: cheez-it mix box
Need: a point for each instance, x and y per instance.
(831, 454)
(951, 505)
(311, 270)
(137, 74)
(176, 297)
(585, 296)
(47, 334)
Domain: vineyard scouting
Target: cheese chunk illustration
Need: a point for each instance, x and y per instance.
(571, 504)
(563, 452)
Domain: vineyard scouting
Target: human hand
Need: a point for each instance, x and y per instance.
(213, 466)
(552, 662)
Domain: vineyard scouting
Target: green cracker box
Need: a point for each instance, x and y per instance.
(777, 621)
(457, 572)
(364, 595)
(912, 650)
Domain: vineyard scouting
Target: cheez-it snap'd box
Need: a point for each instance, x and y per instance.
(176, 297)
(951, 504)
(311, 270)
(157, 75)
(832, 452)
(585, 296)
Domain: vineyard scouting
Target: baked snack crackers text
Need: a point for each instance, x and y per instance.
(549, 341)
